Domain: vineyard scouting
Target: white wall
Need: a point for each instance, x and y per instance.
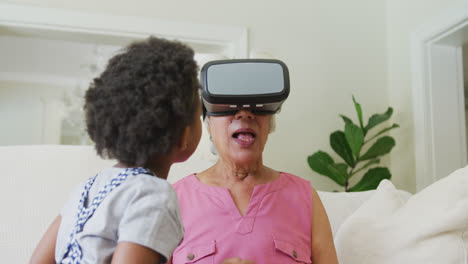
(334, 49)
(30, 113)
(403, 18)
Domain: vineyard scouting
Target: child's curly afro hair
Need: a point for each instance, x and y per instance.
(143, 100)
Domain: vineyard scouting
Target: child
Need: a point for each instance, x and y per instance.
(144, 111)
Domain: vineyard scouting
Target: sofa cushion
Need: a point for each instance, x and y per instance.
(428, 228)
(340, 205)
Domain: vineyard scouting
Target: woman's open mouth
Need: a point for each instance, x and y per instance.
(244, 137)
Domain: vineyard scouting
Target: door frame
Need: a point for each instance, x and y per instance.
(81, 26)
(232, 41)
(422, 39)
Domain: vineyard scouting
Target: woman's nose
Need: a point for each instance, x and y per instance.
(244, 113)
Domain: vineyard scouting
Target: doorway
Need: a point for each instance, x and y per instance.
(439, 97)
(49, 57)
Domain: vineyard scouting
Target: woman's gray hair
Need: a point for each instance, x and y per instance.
(213, 147)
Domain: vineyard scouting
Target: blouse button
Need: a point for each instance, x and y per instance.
(294, 254)
(190, 256)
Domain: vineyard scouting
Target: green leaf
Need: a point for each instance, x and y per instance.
(346, 119)
(354, 137)
(323, 164)
(338, 173)
(343, 168)
(382, 131)
(378, 118)
(381, 147)
(371, 162)
(340, 146)
(319, 161)
(371, 179)
(359, 112)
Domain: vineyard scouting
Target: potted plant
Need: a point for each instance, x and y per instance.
(349, 145)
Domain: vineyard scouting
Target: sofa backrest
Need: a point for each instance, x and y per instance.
(38, 179)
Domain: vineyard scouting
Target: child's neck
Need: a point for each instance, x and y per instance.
(161, 169)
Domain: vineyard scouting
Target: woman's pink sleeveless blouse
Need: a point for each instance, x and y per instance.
(276, 227)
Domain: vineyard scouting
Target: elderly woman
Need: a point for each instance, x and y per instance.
(241, 209)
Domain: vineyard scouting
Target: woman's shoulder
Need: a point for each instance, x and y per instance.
(296, 179)
(185, 182)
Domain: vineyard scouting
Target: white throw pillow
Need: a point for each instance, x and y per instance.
(428, 228)
(340, 205)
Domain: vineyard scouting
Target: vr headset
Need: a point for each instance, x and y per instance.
(259, 85)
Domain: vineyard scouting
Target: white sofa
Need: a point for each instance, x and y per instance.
(36, 180)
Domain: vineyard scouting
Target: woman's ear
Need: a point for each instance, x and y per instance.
(207, 125)
(213, 149)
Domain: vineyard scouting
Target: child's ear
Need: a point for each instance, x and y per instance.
(182, 150)
(184, 139)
